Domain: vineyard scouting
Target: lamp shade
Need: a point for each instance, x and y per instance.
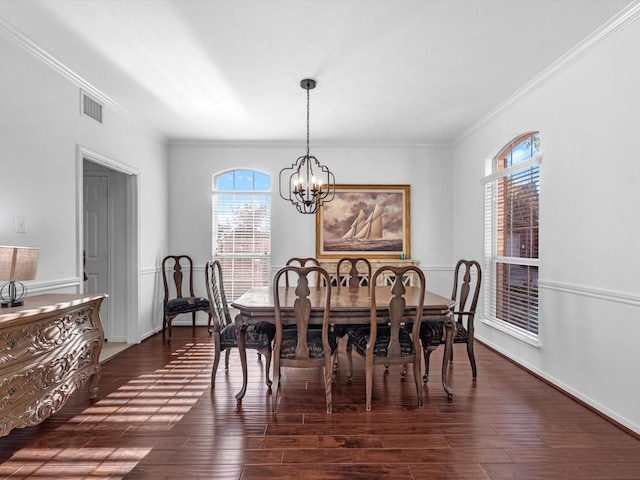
(18, 263)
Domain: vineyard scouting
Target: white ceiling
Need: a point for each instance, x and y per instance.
(388, 71)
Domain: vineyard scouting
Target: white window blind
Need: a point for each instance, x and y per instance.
(242, 235)
(512, 196)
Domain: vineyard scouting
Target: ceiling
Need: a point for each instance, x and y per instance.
(388, 71)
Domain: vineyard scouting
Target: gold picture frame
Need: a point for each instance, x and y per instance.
(371, 221)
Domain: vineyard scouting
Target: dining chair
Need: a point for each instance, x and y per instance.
(467, 279)
(351, 277)
(179, 294)
(386, 341)
(258, 336)
(299, 345)
(303, 262)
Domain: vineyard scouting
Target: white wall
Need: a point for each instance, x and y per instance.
(426, 168)
(588, 117)
(40, 131)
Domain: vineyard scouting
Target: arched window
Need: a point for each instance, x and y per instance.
(512, 198)
(241, 206)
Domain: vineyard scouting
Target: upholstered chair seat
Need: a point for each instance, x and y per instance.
(257, 336)
(314, 342)
(359, 338)
(432, 333)
(186, 305)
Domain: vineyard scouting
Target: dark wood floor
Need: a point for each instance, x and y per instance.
(156, 417)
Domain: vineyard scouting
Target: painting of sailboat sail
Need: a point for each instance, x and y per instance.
(371, 220)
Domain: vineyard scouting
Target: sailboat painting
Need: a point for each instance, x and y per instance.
(364, 220)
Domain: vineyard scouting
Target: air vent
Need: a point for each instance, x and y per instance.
(91, 108)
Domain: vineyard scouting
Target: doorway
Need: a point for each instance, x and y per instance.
(108, 239)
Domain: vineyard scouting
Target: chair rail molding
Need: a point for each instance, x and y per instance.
(593, 292)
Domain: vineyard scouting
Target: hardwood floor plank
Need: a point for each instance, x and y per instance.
(190, 457)
(563, 455)
(448, 471)
(559, 440)
(495, 441)
(563, 471)
(327, 472)
(195, 472)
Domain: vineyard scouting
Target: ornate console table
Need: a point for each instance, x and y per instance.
(49, 347)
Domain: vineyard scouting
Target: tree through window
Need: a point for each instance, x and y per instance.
(241, 201)
(512, 196)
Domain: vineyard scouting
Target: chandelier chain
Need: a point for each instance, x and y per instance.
(307, 119)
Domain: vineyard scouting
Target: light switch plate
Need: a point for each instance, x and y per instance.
(20, 224)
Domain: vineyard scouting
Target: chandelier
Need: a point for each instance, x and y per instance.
(307, 184)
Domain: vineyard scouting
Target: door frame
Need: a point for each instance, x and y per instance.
(132, 269)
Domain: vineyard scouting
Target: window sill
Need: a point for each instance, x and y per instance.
(518, 334)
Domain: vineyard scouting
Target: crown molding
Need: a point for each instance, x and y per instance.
(30, 47)
(615, 25)
(35, 50)
(297, 144)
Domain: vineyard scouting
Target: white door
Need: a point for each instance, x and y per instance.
(96, 240)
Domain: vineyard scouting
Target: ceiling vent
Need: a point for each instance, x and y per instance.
(91, 107)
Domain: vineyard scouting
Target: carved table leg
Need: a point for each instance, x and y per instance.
(448, 349)
(241, 327)
(93, 384)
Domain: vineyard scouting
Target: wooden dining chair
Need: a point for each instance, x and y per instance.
(258, 336)
(303, 262)
(386, 341)
(352, 277)
(179, 294)
(466, 291)
(298, 345)
(348, 275)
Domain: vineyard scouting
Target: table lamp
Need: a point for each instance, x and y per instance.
(16, 264)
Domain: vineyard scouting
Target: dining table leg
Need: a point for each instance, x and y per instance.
(241, 328)
(450, 326)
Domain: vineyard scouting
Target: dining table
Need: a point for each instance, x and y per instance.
(349, 306)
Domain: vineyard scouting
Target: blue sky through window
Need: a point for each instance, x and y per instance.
(526, 149)
(243, 180)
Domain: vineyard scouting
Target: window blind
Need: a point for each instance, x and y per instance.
(242, 239)
(511, 244)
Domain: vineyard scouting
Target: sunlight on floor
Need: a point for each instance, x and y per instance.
(160, 398)
(110, 349)
(73, 463)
